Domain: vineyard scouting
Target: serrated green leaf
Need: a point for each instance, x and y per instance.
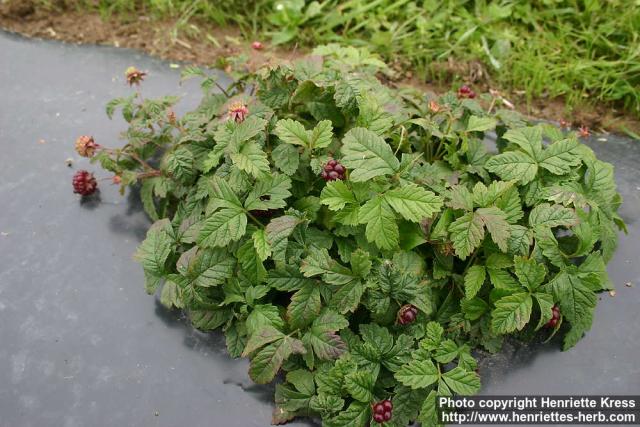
(326, 403)
(527, 138)
(513, 165)
(381, 228)
(210, 319)
(251, 264)
(530, 273)
(292, 132)
(413, 203)
(360, 263)
(545, 302)
(481, 124)
(499, 229)
(460, 198)
(286, 158)
(319, 262)
(418, 374)
(260, 243)
(360, 385)
(559, 157)
(210, 267)
(260, 338)
(269, 193)
(263, 315)
(512, 312)
(347, 298)
(251, 159)
(462, 382)
(153, 253)
(267, 362)
(552, 216)
(467, 232)
(336, 195)
(473, 280)
(288, 279)
(321, 135)
(356, 415)
(502, 279)
(474, 308)
(222, 227)
(304, 307)
(446, 352)
(429, 411)
(367, 155)
(278, 232)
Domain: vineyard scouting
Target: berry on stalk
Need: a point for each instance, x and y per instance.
(257, 45)
(407, 314)
(86, 146)
(84, 183)
(466, 92)
(332, 171)
(134, 76)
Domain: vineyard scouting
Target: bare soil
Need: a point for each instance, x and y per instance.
(204, 43)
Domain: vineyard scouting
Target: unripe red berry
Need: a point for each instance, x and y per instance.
(257, 45)
(84, 183)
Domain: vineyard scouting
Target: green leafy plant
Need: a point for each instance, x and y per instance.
(362, 239)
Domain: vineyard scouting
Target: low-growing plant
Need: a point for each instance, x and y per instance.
(363, 239)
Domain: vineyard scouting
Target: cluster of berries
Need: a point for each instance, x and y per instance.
(466, 92)
(333, 171)
(382, 411)
(555, 317)
(407, 314)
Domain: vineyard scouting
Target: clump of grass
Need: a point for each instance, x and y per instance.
(587, 51)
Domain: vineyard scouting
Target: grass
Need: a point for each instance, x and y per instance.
(587, 51)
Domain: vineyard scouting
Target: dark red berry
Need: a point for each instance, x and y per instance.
(84, 183)
(333, 175)
(331, 163)
(378, 408)
(388, 406)
(324, 175)
(328, 167)
(387, 415)
(339, 168)
(379, 418)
